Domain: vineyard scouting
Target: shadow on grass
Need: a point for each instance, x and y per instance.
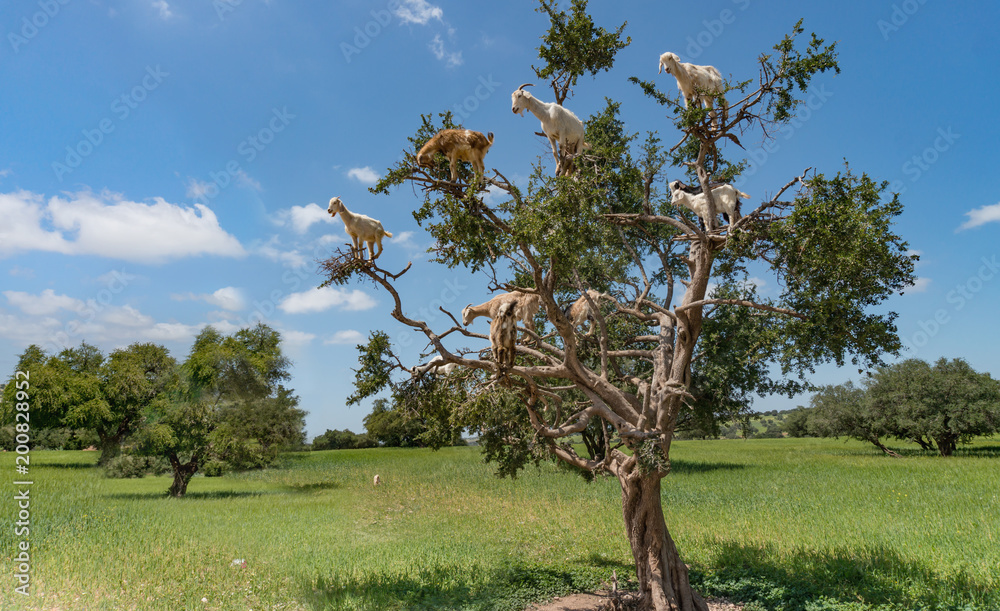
(209, 494)
(836, 579)
(458, 587)
(683, 467)
(310, 487)
(66, 465)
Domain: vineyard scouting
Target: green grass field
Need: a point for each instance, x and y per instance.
(779, 524)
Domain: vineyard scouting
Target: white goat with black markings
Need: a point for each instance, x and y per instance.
(697, 83)
(457, 145)
(435, 365)
(563, 129)
(361, 228)
(525, 308)
(727, 200)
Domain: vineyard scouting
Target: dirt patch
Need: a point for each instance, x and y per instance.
(598, 601)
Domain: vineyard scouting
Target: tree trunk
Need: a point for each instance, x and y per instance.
(111, 447)
(182, 474)
(663, 578)
(946, 445)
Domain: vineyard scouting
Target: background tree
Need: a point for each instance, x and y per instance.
(609, 227)
(231, 406)
(936, 407)
(342, 440)
(132, 380)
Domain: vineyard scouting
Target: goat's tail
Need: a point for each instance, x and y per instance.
(489, 138)
(742, 194)
(387, 234)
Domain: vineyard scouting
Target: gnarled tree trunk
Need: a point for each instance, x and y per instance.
(663, 577)
(183, 472)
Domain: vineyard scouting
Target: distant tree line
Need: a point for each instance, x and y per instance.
(224, 407)
(935, 406)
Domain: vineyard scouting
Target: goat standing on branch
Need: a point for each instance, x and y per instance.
(697, 83)
(525, 307)
(727, 201)
(457, 145)
(361, 228)
(563, 129)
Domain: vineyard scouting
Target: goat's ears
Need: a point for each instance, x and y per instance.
(525, 85)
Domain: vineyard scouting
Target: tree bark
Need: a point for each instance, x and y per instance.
(663, 577)
(111, 446)
(183, 472)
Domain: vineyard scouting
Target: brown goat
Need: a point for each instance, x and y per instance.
(457, 145)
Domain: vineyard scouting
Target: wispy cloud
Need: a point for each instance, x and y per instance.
(228, 298)
(45, 304)
(109, 226)
(981, 216)
(365, 175)
(301, 218)
(349, 337)
(419, 12)
(163, 9)
(451, 59)
(920, 285)
(320, 300)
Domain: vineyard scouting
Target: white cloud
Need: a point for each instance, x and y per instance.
(163, 8)
(319, 300)
(451, 59)
(404, 239)
(107, 225)
(418, 11)
(981, 216)
(920, 285)
(271, 250)
(365, 175)
(345, 338)
(304, 217)
(45, 304)
(228, 298)
(126, 316)
(245, 180)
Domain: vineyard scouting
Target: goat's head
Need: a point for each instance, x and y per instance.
(667, 60)
(425, 156)
(466, 313)
(517, 99)
(335, 206)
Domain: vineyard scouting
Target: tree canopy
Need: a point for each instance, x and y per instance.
(679, 323)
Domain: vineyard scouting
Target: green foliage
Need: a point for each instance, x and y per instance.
(795, 70)
(391, 427)
(131, 466)
(574, 46)
(935, 407)
(373, 374)
(504, 430)
(342, 440)
(940, 406)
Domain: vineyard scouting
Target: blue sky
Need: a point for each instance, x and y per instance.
(166, 164)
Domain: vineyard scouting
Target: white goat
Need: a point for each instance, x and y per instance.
(503, 333)
(361, 229)
(697, 83)
(436, 365)
(560, 125)
(726, 200)
(457, 145)
(376, 480)
(525, 307)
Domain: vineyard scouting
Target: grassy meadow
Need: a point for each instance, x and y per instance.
(779, 524)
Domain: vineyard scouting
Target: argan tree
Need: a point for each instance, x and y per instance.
(826, 240)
